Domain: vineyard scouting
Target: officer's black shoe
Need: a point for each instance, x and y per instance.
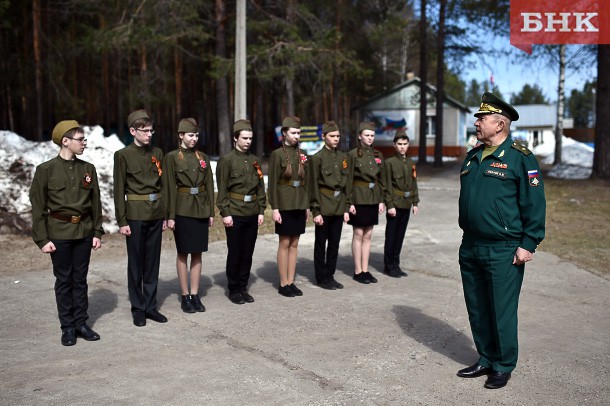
(400, 271)
(68, 336)
(196, 301)
(497, 380)
(474, 371)
(154, 315)
(337, 284)
(328, 285)
(361, 277)
(295, 290)
(247, 297)
(86, 333)
(285, 291)
(370, 277)
(236, 298)
(139, 319)
(392, 272)
(187, 304)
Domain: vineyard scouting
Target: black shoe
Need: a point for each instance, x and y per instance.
(86, 333)
(247, 297)
(139, 319)
(337, 284)
(400, 271)
(370, 277)
(68, 336)
(187, 304)
(154, 315)
(361, 277)
(196, 301)
(328, 285)
(236, 298)
(474, 371)
(295, 290)
(285, 291)
(392, 272)
(497, 380)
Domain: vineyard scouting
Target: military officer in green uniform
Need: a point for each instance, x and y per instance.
(67, 223)
(502, 214)
(140, 215)
(241, 203)
(328, 170)
(402, 198)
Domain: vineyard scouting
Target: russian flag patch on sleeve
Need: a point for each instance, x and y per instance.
(533, 177)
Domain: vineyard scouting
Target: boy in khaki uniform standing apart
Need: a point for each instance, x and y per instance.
(67, 223)
(140, 214)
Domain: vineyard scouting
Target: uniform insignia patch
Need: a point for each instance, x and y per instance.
(501, 154)
(87, 179)
(203, 164)
(498, 174)
(258, 170)
(344, 164)
(468, 164)
(498, 165)
(533, 177)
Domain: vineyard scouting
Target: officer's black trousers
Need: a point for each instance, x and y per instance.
(241, 239)
(395, 230)
(70, 267)
(143, 260)
(325, 258)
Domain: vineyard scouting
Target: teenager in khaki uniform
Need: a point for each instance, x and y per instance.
(140, 215)
(189, 192)
(67, 223)
(366, 194)
(289, 201)
(241, 202)
(328, 170)
(402, 198)
(502, 211)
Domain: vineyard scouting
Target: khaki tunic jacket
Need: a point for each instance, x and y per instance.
(328, 171)
(70, 188)
(365, 170)
(188, 172)
(283, 196)
(238, 172)
(137, 173)
(401, 182)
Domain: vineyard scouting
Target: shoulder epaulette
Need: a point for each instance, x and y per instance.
(521, 148)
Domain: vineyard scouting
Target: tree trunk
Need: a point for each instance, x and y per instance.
(289, 81)
(423, 69)
(222, 87)
(38, 66)
(178, 80)
(240, 111)
(440, 85)
(560, 104)
(601, 155)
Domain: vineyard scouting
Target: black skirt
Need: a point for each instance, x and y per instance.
(366, 215)
(191, 234)
(293, 222)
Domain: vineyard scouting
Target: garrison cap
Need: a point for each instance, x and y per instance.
(366, 125)
(188, 125)
(62, 128)
(490, 103)
(329, 126)
(242, 125)
(401, 134)
(136, 115)
(292, 122)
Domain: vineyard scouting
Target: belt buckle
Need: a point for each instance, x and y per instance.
(153, 197)
(75, 219)
(407, 194)
(296, 183)
(337, 193)
(194, 191)
(372, 185)
(248, 198)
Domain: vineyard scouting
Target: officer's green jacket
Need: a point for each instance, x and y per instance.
(189, 172)
(365, 169)
(283, 196)
(240, 172)
(502, 197)
(69, 188)
(328, 171)
(137, 171)
(401, 182)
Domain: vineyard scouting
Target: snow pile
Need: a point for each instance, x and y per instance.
(576, 157)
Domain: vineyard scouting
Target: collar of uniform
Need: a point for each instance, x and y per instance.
(332, 151)
(66, 161)
(143, 149)
(238, 152)
(502, 150)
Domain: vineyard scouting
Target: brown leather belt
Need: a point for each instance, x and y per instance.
(293, 183)
(243, 198)
(361, 183)
(329, 192)
(153, 197)
(68, 218)
(191, 190)
(401, 193)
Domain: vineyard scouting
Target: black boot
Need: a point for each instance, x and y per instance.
(197, 303)
(187, 304)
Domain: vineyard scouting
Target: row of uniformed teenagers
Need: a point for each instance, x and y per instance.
(153, 193)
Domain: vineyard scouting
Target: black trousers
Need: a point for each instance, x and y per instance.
(70, 267)
(395, 230)
(325, 258)
(241, 239)
(143, 260)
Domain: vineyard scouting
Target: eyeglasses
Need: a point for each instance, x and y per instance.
(146, 130)
(81, 139)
